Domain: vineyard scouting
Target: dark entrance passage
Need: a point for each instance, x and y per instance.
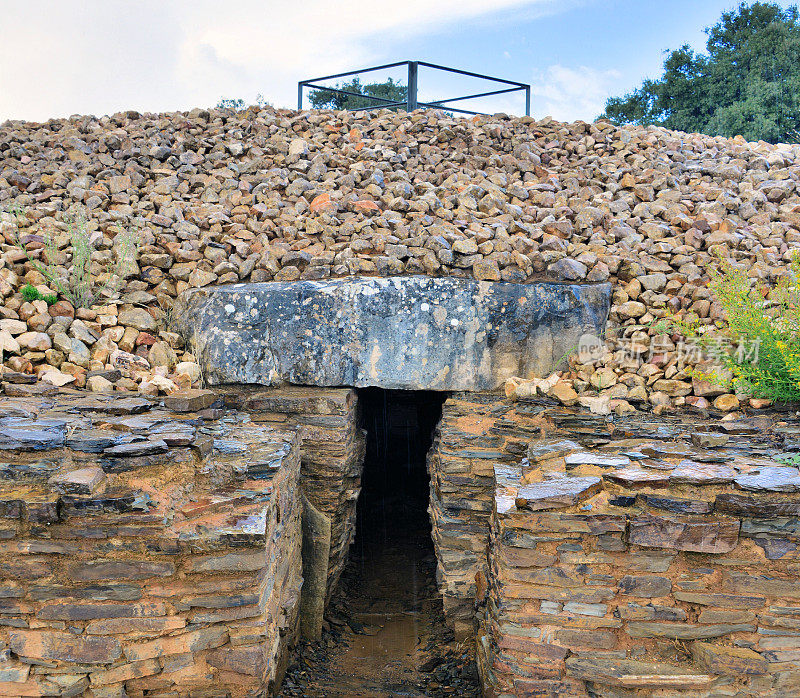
(386, 633)
(393, 507)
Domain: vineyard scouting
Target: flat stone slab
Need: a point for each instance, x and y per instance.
(83, 481)
(731, 661)
(677, 505)
(777, 479)
(31, 435)
(138, 448)
(38, 470)
(15, 377)
(557, 493)
(92, 440)
(630, 673)
(686, 631)
(693, 535)
(409, 332)
(114, 405)
(693, 473)
(588, 458)
(709, 440)
(739, 505)
(26, 390)
(189, 400)
(538, 452)
(638, 477)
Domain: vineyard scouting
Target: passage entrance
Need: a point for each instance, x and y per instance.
(394, 485)
(387, 634)
(390, 587)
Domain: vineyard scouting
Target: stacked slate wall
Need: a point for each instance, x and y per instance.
(144, 551)
(645, 557)
(476, 432)
(332, 452)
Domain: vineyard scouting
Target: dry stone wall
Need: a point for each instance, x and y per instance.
(332, 451)
(643, 557)
(477, 432)
(146, 551)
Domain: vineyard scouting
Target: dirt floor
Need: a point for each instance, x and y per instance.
(386, 634)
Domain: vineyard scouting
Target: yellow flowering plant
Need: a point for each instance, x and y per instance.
(761, 344)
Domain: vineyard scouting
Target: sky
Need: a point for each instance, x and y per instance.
(63, 57)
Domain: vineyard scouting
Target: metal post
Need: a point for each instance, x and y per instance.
(412, 86)
(299, 96)
(527, 100)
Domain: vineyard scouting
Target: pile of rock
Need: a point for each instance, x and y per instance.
(219, 196)
(116, 346)
(146, 550)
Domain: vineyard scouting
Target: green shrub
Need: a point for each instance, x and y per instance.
(30, 293)
(761, 344)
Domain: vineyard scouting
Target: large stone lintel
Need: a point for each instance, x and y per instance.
(409, 332)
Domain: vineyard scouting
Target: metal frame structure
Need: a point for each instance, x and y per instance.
(412, 103)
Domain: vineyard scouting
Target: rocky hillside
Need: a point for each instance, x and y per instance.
(215, 197)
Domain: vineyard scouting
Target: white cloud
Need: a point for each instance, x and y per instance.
(569, 94)
(59, 57)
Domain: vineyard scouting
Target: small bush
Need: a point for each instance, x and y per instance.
(75, 282)
(761, 345)
(792, 459)
(30, 293)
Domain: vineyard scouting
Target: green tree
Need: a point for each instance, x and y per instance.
(391, 90)
(238, 104)
(746, 83)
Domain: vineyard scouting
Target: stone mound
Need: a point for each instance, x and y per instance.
(217, 197)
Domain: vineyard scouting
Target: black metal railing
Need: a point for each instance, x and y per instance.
(411, 102)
